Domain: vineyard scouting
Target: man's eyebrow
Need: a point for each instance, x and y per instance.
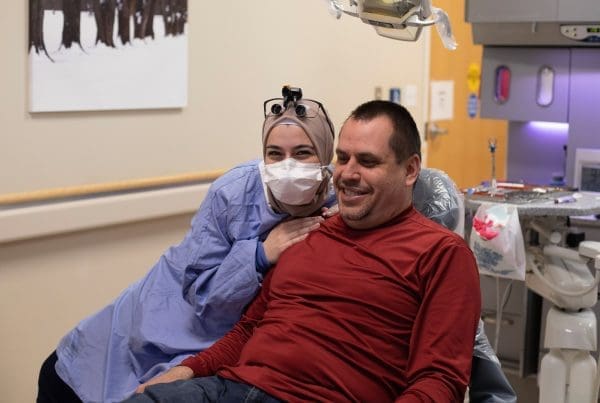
(367, 155)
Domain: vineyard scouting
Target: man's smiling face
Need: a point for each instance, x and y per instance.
(372, 187)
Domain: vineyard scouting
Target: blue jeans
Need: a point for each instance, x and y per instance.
(203, 390)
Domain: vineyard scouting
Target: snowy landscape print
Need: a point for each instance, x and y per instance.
(107, 54)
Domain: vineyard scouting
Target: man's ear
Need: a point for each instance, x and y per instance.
(413, 168)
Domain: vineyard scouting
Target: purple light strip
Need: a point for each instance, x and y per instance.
(552, 128)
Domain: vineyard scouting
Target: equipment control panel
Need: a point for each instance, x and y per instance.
(582, 32)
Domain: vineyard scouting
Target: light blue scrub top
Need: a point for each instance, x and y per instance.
(193, 295)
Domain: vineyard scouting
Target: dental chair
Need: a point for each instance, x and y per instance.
(437, 197)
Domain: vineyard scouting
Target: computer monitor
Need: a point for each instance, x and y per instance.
(587, 169)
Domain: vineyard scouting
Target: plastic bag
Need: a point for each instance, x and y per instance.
(497, 241)
(442, 24)
(436, 196)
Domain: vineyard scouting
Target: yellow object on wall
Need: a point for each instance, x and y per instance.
(474, 77)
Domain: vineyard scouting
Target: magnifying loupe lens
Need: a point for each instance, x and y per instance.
(276, 109)
(300, 111)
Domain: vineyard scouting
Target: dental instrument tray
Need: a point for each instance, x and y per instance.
(536, 200)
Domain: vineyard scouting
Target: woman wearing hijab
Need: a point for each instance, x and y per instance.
(198, 289)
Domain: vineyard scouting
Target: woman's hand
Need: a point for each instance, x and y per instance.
(287, 233)
(330, 211)
(174, 374)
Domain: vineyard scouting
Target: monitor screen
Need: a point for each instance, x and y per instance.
(590, 178)
(587, 169)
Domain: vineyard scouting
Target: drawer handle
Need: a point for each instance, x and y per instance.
(502, 85)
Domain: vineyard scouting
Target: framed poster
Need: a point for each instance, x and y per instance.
(107, 54)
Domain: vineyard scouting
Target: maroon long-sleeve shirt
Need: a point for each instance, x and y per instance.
(371, 316)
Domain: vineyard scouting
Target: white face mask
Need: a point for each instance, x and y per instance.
(293, 182)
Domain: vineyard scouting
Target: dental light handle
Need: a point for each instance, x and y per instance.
(444, 29)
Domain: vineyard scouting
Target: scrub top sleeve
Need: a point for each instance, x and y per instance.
(226, 351)
(222, 279)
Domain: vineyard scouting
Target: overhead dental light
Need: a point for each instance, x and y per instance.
(397, 19)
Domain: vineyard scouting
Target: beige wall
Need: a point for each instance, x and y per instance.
(48, 284)
(239, 54)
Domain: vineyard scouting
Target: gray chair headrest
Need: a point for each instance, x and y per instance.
(437, 197)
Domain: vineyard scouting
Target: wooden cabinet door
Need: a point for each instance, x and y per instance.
(463, 151)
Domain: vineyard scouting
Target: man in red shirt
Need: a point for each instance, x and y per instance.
(380, 304)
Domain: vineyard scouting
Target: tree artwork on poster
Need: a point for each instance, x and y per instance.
(107, 54)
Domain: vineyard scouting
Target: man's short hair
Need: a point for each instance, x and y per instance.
(405, 140)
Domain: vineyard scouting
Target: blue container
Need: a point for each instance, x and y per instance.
(395, 95)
